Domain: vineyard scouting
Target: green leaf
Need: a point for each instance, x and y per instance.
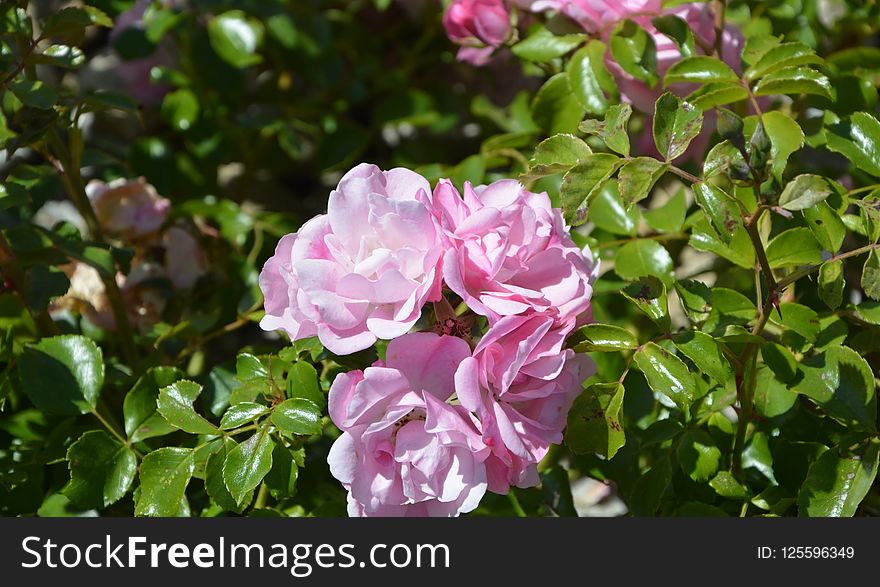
(871, 275)
(713, 95)
(180, 109)
(615, 133)
(643, 257)
(542, 45)
(589, 79)
(826, 226)
(774, 500)
(695, 298)
(727, 486)
(868, 312)
(650, 488)
(699, 69)
(556, 154)
(729, 307)
(637, 177)
(842, 383)
(786, 137)
(61, 56)
(236, 37)
(721, 209)
(562, 150)
(831, 283)
(281, 478)
(679, 31)
(676, 124)
(608, 213)
(698, 455)
(104, 100)
(757, 46)
(164, 475)
(62, 374)
(836, 484)
(805, 191)
(795, 246)
(670, 216)
(250, 368)
(69, 23)
(725, 158)
(297, 416)
(857, 139)
(139, 408)
(247, 464)
(12, 195)
(216, 486)
(782, 56)
(34, 93)
(42, 284)
(795, 80)
(595, 423)
(666, 374)
(556, 499)
(175, 404)
(635, 52)
(605, 337)
(800, 319)
(242, 413)
(780, 360)
(649, 296)
(555, 108)
(702, 349)
(582, 182)
(772, 398)
(101, 470)
(757, 456)
(302, 382)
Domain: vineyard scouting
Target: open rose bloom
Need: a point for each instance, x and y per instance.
(361, 272)
(442, 419)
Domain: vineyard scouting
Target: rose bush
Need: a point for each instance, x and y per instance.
(439, 258)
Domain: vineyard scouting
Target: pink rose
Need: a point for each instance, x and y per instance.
(361, 272)
(128, 208)
(521, 383)
(477, 21)
(508, 252)
(480, 26)
(404, 451)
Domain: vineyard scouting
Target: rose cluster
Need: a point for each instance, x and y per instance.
(442, 419)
